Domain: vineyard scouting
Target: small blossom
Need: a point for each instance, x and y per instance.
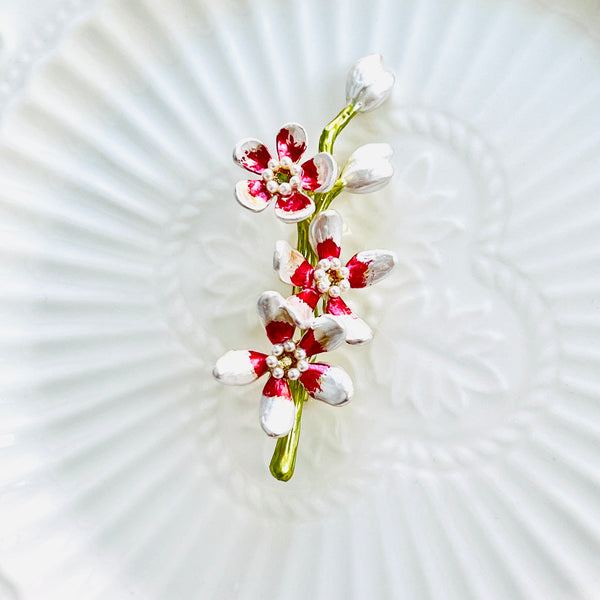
(288, 361)
(368, 169)
(330, 278)
(283, 179)
(369, 84)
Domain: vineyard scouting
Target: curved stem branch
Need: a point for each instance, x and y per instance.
(333, 129)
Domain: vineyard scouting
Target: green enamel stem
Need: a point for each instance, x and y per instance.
(334, 128)
(331, 195)
(283, 462)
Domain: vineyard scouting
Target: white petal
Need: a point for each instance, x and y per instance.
(328, 384)
(324, 335)
(319, 173)
(286, 261)
(357, 331)
(274, 317)
(252, 194)
(325, 226)
(236, 367)
(277, 408)
(301, 313)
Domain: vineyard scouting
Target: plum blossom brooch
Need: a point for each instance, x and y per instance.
(314, 319)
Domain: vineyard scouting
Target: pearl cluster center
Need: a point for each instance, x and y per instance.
(331, 277)
(287, 361)
(282, 177)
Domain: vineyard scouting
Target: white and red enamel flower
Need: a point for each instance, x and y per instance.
(288, 361)
(283, 179)
(329, 278)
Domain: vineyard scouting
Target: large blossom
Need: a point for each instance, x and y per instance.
(288, 361)
(330, 278)
(283, 179)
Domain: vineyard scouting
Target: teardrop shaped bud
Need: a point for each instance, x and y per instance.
(369, 83)
(368, 169)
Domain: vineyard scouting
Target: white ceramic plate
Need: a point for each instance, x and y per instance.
(467, 466)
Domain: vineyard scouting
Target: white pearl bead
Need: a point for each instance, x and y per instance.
(302, 366)
(344, 272)
(293, 374)
(286, 162)
(295, 169)
(278, 372)
(272, 186)
(295, 181)
(289, 346)
(273, 164)
(336, 263)
(324, 264)
(323, 286)
(344, 285)
(272, 361)
(334, 291)
(319, 274)
(268, 174)
(300, 353)
(277, 350)
(285, 189)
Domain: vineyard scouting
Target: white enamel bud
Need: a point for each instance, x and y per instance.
(272, 361)
(293, 374)
(278, 373)
(272, 186)
(289, 346)
(273, 164)
(369, 83)
(302, 365)
(277, 350)
(368, 169)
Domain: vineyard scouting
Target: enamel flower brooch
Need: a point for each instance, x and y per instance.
(298, 331)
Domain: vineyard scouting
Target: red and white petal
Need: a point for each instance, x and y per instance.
(291, 266)
(274, 317)
(294, 208)
(325, 234)
(328, 384)
(239, 367)
(252, 155)
(324, 335)
(357, 331)
(276, 408)
(301, 307)
(253, 194)
(291, 141)
(370, 266)
(319, 173)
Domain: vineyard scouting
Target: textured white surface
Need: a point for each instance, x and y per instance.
(466, 466)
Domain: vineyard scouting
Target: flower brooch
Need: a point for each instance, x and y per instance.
(297, 329)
